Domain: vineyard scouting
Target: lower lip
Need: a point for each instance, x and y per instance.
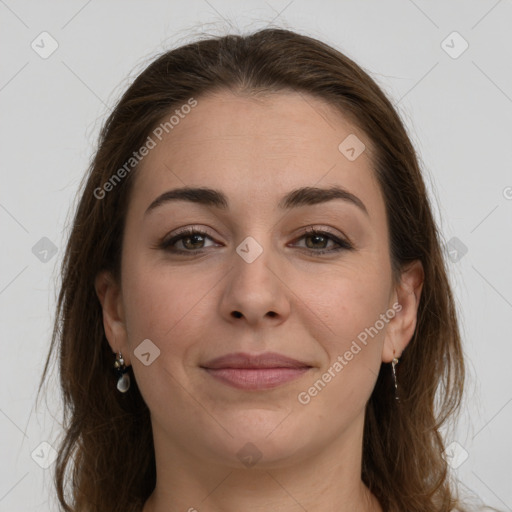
(256, 378)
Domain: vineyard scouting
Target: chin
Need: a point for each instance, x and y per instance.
(262, 439)
(258, 453)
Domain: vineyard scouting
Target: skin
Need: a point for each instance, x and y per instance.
(304, 305)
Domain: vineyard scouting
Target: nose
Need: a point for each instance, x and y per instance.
(255, 289)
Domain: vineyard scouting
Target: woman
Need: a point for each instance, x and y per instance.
(255, 257)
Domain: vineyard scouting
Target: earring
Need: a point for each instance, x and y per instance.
(123, 383)
(393, 364)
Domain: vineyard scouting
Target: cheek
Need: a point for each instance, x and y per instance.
(347, 300)
(349, 321)
(161, 303)
(162, 306)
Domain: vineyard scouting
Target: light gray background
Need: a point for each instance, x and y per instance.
(458, 112)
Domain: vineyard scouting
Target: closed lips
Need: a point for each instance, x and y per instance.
(247, 361)
(259, 372)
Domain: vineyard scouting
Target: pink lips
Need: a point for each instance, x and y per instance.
(262, 371)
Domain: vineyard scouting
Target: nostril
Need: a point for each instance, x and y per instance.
(237, 314)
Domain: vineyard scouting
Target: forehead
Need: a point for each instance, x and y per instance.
(257, 149)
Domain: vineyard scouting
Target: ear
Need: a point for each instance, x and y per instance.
(405, 302)
(110, 297)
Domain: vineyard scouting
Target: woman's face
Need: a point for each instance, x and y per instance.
(257, 281)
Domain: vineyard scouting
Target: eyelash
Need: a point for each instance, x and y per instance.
(188, 232)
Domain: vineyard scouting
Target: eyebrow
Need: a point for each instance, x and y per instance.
(305, 196)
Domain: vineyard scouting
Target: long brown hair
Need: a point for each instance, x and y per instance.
(107, 439)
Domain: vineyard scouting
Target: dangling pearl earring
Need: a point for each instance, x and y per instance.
(123, 383)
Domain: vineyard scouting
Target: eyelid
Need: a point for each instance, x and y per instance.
(182, 232)
(316, 228)
(188, 229)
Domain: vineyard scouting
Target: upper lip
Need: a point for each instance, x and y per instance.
(244, 360)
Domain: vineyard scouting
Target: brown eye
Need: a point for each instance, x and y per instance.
(192, 240)
(319, 239)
